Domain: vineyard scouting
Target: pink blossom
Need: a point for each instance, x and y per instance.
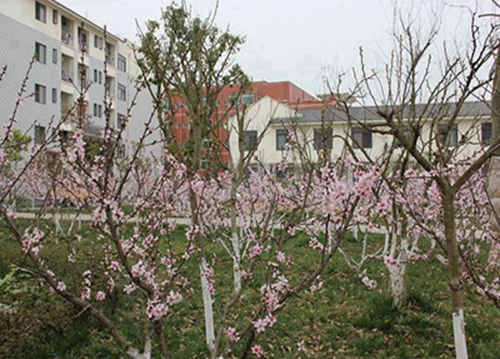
(85, 295)
(257, 351)
(129, 288)
(100, 296)
(255, 251)
(232, 334)
(156, 310)
(61, 287)
(280, 257)
(271, 320)
(173, 297)
(260, 325)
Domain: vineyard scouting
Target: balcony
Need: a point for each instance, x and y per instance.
(67, 39)
(110, 60)
(110, 95)
(66, 75)
(110, 54)
(83, 44)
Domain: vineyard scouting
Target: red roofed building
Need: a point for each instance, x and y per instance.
(283, 91)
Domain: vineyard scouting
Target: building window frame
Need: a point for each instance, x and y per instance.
(121, 121)
(250, 138)
(247, 99)
(54, 95)
(41, 53)
(361, 138)
(122, 92)
(486, 133)
(55, 17)
(40, 134)
(451, 139)
(40, 12)
(40, 94)
(323, 138)
(121, 63)
(281, 138)
(55, 56)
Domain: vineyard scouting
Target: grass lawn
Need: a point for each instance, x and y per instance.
(343, 320)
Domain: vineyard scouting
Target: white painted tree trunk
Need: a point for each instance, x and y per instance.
(236, 260)
(207, 305)
(136, 355)
(147, 351)
(397, 273)
(459, 335)
(397, 284)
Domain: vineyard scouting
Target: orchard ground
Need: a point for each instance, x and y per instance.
(344, 319)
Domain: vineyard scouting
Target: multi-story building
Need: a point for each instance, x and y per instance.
(71, 54)
(284, 92)
(329, 128)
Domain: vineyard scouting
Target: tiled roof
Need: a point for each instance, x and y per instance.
(369, 113)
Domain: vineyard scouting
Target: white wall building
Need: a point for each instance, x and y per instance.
(56, 36)
(329, 129)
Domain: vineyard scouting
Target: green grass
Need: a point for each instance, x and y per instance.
(343, 320)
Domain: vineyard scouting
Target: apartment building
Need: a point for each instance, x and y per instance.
(328, 128)
(71, 53)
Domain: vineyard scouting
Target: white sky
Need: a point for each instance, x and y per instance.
(294, 40)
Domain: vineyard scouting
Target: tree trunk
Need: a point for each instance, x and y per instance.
(397, 277)
(207, 305)
(494, 170)
(236, 260)
(235, 241)
(455, 273)
(494, 193)
(397, 283)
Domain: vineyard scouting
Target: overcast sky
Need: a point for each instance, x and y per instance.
(296, 40)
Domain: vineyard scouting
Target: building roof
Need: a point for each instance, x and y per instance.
(83, 18)
(369, 113)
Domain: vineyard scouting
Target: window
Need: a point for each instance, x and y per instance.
(206, 143)
(451, 138)
(39, 135)
(281, 139)
(40, 53)
(100, 77)
(486, 132)
(54, 95)
(40, 94)
(96, 41)
(40, 12)
(250, 140)
(122, 63)
(95, 76)
(95, 110)
(55, 17)
(101, 42)
(54, 56)
(247, 99)
(99, 113)
(361, 138)
(122, 92)
(121, 122)
(323, 138)
(408, 134)
(120, 151)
